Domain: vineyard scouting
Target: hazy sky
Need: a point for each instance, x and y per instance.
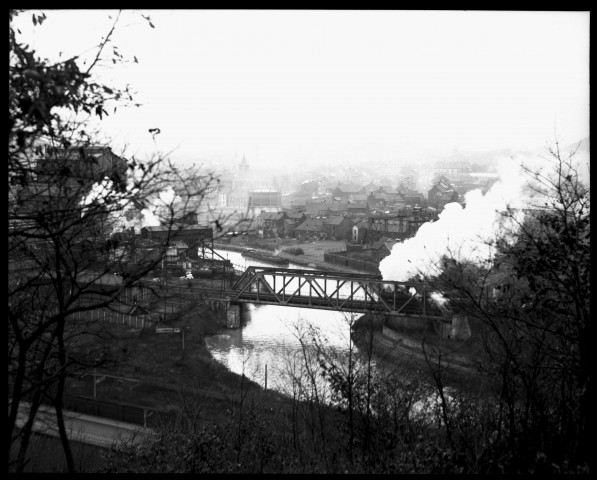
(321, 85)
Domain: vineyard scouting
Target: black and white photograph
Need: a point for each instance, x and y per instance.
(299, 241)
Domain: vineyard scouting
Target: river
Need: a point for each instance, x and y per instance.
(271, 344)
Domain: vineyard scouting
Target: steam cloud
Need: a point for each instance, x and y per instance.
(159, 207)
(158, 210)
(461, 232)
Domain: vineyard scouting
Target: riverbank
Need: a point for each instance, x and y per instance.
(420, 352)
(163, 373)
(388, 345)
(312, 256)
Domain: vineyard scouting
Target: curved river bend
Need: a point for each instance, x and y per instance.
(271, 344)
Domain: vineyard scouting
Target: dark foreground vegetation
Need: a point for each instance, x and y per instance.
(391, 419)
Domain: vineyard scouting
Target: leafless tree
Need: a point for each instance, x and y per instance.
(68, 193)
(530, 310)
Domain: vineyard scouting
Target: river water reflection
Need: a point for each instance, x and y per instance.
(272, 341)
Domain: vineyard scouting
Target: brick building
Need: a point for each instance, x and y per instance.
(310, 229)
(337, 227)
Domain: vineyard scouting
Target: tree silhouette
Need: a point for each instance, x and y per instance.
(68, 195)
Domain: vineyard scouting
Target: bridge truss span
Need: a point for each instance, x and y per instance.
(358, 293)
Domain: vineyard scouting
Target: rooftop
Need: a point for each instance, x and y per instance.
(311, 224)
(177, 227)
(349, 188)
(334, 220)
(270, 216)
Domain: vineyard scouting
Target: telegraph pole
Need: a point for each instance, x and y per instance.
(164, 275)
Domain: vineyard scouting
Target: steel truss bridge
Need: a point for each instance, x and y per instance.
(357, 293)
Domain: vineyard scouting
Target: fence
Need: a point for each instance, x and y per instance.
(127, 296)
(171, 301)
(118, 411)
(118, 318)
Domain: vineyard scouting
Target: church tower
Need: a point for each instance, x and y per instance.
(244, 166)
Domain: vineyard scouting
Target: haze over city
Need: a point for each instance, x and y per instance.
(324, 87)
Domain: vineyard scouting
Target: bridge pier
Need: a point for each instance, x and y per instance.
(233, 314)
(226, 310)
(457, 329)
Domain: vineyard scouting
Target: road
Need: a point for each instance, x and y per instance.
(83, 428)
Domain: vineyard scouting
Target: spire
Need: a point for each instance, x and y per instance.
(244, 166)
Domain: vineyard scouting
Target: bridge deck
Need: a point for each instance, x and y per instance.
(358, 293)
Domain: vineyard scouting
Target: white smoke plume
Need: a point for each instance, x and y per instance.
(461, 232)
(439, 299)
(99, 193)
(158, 209)
(132, 218)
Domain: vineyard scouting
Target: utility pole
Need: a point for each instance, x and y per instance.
(165, 279)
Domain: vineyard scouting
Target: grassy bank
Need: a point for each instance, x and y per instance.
(166, 373)
(203, 392)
